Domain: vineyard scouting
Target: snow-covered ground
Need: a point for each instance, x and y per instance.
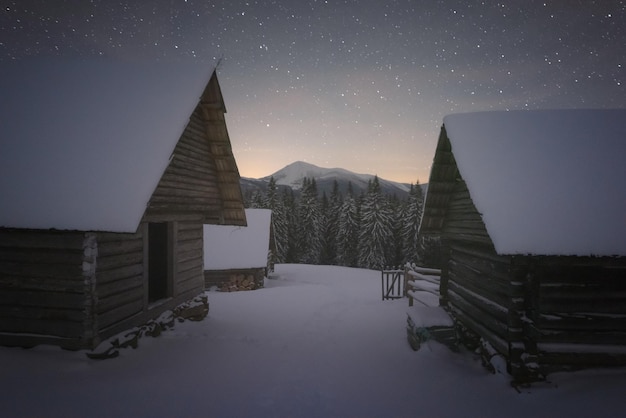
(316, 342)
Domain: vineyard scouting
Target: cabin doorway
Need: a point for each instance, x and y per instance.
(159, 261)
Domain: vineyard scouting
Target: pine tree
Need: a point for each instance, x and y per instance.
(291, 219)
(395, 250)
(376, 226)
(309, 224)
(279, 221)
(331, 209)
(411, 223)
(348, 231)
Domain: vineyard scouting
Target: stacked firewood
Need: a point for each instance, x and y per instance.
(239, 282)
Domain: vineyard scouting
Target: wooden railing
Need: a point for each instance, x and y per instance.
(418, 283)
(422, 285)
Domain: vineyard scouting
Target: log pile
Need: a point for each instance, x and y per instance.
(239, 282)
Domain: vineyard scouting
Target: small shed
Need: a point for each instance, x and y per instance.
(530, 208)
(108, 171)
(239, 258)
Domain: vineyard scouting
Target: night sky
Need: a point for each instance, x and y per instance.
(361, 85)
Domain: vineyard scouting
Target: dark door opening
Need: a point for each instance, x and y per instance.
(158, 261)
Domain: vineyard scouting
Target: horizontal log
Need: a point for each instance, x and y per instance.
(65, 300)
(33, 283)
(193, 285)
(490, 289)
(496, 324)
(189, 255)
(500, 344)
(166, 191)
(42, 239)
(156, 214)
(193, 274)
(191, 264)
(179, 168)
(113, 237)
(581, 321)
(61, 328)
(130, 295)
(42, 313)
(120, 260)
(119, 314)
(592, 305)
(572, 336)
(110, 287)
(42, 270)
(189, 183)
(554, 357)
(41, 256)
(121, 246)
(194, 234)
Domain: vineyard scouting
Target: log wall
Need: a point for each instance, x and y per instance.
(578, 311)
(477, 284)
(46, 278)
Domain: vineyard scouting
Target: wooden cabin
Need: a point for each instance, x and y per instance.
(108, 172)
(530, 209)
(239, 258)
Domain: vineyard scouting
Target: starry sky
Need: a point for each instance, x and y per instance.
(362, 85)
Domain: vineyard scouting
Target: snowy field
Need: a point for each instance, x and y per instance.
(316, 342)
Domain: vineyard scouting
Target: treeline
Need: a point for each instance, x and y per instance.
(372, 230)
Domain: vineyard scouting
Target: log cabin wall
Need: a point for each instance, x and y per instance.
(119, 280)
(576, 311)
(478, 285)
(46, 288)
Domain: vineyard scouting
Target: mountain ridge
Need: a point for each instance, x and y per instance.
(292, 175)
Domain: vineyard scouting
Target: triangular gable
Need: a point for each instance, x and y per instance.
(545, 182)
(83, 142)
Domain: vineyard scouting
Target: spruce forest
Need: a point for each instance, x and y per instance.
(372, 230)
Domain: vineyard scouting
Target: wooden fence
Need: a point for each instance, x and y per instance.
(393, 283)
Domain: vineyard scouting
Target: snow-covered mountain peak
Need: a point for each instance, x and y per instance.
(293, 174)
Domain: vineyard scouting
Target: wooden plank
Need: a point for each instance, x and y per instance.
(120, 260)
(60, 328)
(119, 314)
(111, 287)
(111, 248)
(46, 271)
(31, 239)
(37, 283)
(130, 295)
(487, 314)
(45, 313)
(66, 300)
(41, 256)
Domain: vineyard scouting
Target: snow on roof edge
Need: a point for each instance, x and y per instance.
(553, 156)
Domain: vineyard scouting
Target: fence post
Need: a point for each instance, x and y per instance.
(382, 282)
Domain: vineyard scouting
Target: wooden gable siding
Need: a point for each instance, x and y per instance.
(46, 283)
(576, 311)
(442, 181)
(188, 187)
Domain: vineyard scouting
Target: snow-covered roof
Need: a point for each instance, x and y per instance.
(546, 182)
(84, 142)
(234, 247)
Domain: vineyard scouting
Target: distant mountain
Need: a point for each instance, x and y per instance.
(293, 174)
